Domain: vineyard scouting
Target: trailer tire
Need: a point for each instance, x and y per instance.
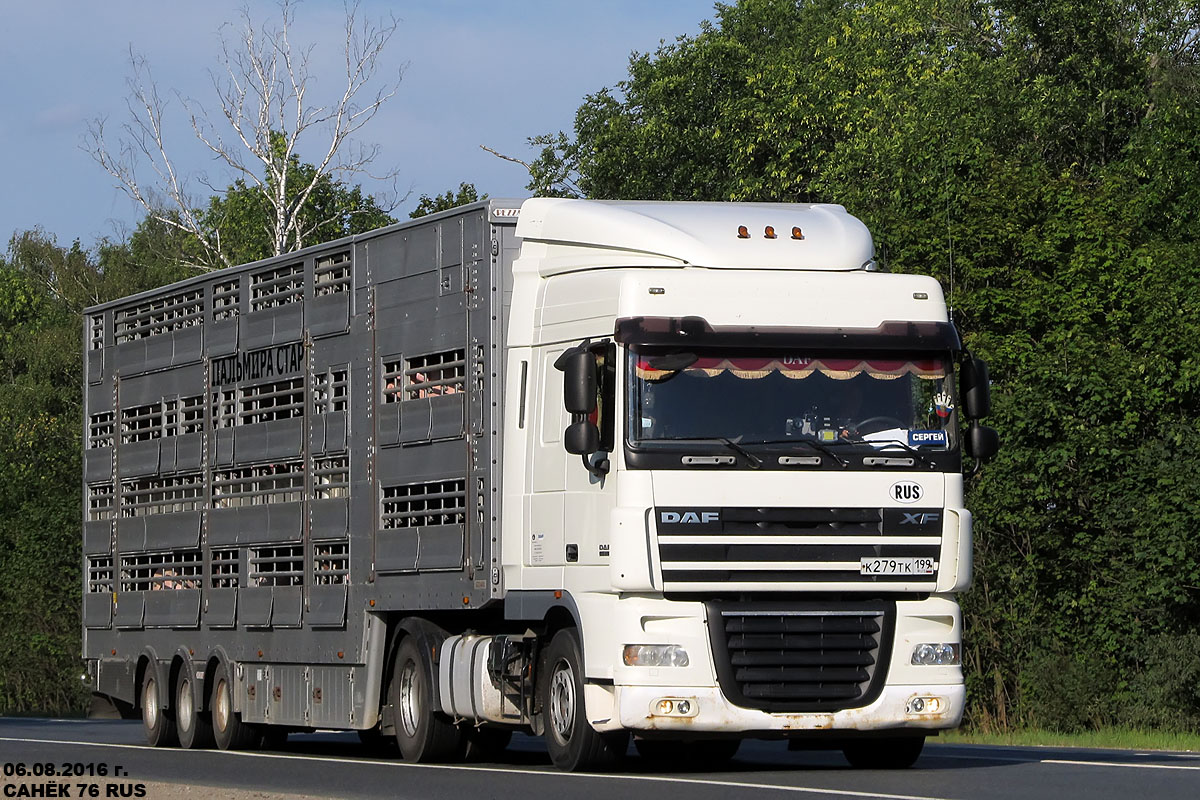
(193, 724)
(899, 752)
(159, 727)
(228, 729)
(573, 743)
(423, 733)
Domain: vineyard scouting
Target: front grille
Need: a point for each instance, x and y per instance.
(802, 657)
(793, 549)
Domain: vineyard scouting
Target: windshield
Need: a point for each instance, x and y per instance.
(752, 397)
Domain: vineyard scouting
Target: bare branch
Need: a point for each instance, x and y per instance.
(262, 85)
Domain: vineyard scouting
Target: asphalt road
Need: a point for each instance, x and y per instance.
(335, 765)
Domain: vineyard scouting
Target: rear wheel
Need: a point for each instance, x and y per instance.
(573, 743)
(899, 752)
(228, 729)
(423, 733)
(193, 724)
(160, 728)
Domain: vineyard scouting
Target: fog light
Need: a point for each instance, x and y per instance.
(940, 654)
(927, 705)
(674, 707)
(655, 655)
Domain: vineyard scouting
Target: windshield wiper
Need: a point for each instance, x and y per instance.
(903, 445)
(815, 445)
(754, 461)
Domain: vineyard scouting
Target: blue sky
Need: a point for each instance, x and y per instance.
(477, 73)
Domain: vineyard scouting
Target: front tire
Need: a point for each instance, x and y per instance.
(193, 724)
(159, 727)
(228, 729)
(899, 752)
(423, 733)
(573, 743)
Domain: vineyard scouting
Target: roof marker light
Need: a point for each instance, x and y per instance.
(743, 232)
(797, 233)
(769, 232)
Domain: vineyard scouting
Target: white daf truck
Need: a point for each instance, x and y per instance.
(690, 472)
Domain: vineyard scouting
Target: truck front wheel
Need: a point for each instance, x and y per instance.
(573, 743)
(422, 732)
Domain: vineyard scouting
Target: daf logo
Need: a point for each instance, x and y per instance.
(671, 517)
(906, 492)
(920, 518)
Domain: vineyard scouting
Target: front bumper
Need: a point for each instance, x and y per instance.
(712, 713)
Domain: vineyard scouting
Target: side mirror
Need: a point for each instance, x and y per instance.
(581, 438)
(579, 381)
(974, 389)
(982, 442)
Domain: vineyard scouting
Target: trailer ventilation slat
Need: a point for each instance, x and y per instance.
(100, 574)
(331, 274)
(277, 565)
(160, 315)
(225, 568)
(181, 569)
(226, 299)
(422, 504)
(101, 428)
(100, 501)
(811, 658)
(331, 563)
(331, 390)
(277, 287)
(435, 374)
(331, 477)
(259, 485)
(165, 494)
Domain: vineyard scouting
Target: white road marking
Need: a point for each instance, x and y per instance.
(504, 771)
(1118, 764)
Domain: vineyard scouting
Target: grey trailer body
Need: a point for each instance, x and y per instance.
(591, 469)
(279, 456)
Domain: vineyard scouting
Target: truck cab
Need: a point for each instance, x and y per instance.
(734, 448)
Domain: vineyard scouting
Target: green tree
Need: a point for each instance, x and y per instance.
(467, 193)
(1040, 158)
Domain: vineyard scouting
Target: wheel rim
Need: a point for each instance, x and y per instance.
(562, 701)
(150, 708)
(184, 706)
(221, 709)
(410, 703)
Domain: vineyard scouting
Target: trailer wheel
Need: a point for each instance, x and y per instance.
(573, 743)
(228, 729)
(193, 724)
(160, 728)
(422, 732)
(899, 752)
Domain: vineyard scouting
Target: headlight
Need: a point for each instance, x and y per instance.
(655, 655)
(941, 654)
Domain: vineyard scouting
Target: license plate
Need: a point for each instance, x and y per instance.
(897, 566)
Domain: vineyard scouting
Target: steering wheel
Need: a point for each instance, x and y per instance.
(895, 423)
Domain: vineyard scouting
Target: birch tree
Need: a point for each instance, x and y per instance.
(264, 87)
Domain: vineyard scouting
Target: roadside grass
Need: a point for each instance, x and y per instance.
(1109, 739)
